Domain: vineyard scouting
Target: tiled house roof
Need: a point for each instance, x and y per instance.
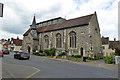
(105, 40)
(84, 20)
(17, 42)
(114, 44)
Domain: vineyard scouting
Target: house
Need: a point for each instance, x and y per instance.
(16, 44)
(6, 44)
(109, 46)
(81, 35)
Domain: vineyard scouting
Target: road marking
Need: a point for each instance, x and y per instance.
(29, 76)
(38, 70)
(13, 76)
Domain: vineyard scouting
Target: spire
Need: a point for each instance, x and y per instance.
(33, 23)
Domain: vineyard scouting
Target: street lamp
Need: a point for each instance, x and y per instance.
(1, 10)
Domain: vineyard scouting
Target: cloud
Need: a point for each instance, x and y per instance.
(18, 14)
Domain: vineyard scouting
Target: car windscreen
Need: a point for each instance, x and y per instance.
(25, 52)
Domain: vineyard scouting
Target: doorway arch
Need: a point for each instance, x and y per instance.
(29, 49)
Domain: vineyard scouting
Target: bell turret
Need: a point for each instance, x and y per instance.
(33, 26)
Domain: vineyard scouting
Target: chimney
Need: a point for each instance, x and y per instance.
(114, 39)
(17, 37)
(8, 39)
(11, 38)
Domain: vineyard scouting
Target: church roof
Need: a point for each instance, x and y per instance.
(84, 20)
(33, 23)
(27, 32)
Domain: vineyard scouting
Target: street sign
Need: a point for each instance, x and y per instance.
(1, 10)
(69, 48)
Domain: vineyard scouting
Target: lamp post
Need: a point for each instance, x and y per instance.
(1, 10)
(1, 15)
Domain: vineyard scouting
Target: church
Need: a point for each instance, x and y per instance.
(81, 35)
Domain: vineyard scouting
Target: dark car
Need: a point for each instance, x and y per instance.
(22, 55)
(6, 51)
(1, 53)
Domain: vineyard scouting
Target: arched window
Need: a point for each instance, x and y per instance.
(46, 41)
(73, 39)
(58, 41)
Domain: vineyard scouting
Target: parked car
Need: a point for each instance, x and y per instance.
(22, 55)
(1, 53)
(6, 51)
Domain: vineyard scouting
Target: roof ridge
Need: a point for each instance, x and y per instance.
(80, 17)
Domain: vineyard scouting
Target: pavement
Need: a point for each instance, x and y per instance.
(96, 63)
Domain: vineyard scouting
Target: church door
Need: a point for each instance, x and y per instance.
(29, 49)
(81, 51)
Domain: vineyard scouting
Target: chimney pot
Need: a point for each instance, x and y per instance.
(114, 39)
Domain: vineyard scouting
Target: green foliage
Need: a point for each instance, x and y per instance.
(63, 53)
(47, 52)
(97, 57)
(52, 51)
(117, 52)
(59, 54)
(108, 59)
(76, 56)
(34, 52)
(43, 54)
(41, 51)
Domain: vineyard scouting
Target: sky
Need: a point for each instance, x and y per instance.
(18, 14)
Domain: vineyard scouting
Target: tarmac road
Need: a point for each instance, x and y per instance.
(38, 67)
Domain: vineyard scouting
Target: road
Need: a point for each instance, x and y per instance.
(38, 67)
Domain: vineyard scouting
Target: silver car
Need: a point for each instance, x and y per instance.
(22, 55)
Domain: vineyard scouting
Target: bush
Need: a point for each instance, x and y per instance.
(90, 58)
(41, 51)
(34, 52)
(72, 55)
(43, 54)
(59, 54)
(116, 54)
(97, 57)
(109, 59)
(47, 52)
(52, 51)
(63, 53)
(77, 56)
(117, 50)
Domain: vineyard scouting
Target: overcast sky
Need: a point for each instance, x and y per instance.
(18, 14)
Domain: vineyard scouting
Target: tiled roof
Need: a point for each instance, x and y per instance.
(47, 28)
(27, 32)
(7, 43)
(77, 21)
(84, 20)
(114, 44)
(105, 40)
(17, 42)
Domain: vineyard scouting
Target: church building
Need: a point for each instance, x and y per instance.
(81, 35)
